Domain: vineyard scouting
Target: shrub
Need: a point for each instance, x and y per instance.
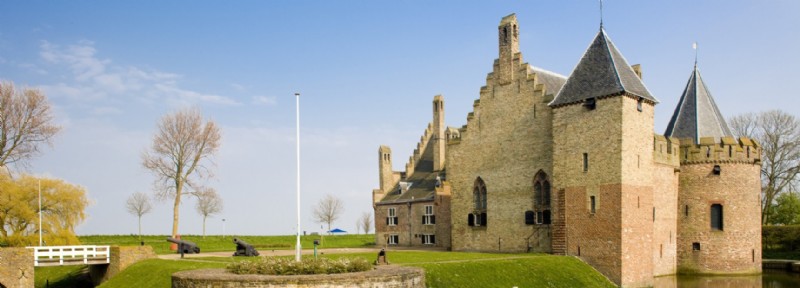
(781, 238)
(288, 266)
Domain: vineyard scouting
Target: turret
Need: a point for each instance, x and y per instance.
(508, 38)
(385, 168)
(439, 137)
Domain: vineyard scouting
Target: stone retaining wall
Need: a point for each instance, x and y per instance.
(121, 258)
(16, 267)
(382, 277)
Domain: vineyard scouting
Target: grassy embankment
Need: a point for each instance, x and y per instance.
(218, 243)
(443, 269)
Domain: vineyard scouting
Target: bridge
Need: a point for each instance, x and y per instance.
(70, 255)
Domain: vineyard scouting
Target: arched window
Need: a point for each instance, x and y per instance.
(716, 217)
(541, 198)
(479, 194)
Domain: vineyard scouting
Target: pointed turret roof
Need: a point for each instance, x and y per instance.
(697, 115)
(602, 71)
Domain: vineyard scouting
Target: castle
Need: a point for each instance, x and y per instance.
(572, 166)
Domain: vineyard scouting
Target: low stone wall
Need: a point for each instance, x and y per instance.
(383, 277)
(16, 267)
(121, 258)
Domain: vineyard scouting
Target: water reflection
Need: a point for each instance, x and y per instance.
(770, 279)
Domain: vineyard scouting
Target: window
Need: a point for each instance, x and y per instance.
(546, 216)
(696, 246)
(479, 199)
(428, 239)
(428, 218)
(639, 105)
(589, 104)
(391, 220)
(539, 217)
(541, 199)
(716, 217)
(530, 217)
(717, 170)
(471, 219)
(585, 162)
(592, 204)
(393, 239)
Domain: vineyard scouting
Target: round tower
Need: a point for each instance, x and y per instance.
(719, 223)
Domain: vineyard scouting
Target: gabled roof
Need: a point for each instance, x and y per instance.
(602, 71)
(423, 181)
(697, 115)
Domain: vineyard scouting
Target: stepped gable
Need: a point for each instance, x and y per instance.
(423, 179)
(601, 72)
(697, 115)
(551, 80)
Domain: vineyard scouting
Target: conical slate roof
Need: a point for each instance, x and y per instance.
(697, 115)
(601, 72)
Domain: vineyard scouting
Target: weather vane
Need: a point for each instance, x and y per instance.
(694, 46)
(601, 14)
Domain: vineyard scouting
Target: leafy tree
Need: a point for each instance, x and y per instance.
(63, 206)
(25, 123)
(786, 210)
(208, 203)
(328, 210)
(366, 222)
(778, 133)
(139, 204)
(181, 147)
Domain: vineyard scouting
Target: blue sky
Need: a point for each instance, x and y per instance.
(367, 72)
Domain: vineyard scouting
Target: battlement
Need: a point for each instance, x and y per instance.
(453, 135)
(727, 150)
(666, 150)
(414, 158)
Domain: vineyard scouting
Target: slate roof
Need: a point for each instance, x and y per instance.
(423, 181)
(552, 80)
(697, 115)
(602, 71)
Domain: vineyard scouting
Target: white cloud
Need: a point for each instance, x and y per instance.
(31, 67)
(265, 100)
(97, 79)
(238, 87)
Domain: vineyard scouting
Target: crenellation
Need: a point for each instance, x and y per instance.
(726, 150)
(666, 150)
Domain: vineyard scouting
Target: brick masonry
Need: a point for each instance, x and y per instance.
(641, 182)
(16, 267)
(390, 276)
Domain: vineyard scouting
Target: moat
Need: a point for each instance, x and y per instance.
(769, 279)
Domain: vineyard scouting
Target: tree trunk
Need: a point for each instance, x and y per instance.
(204, 226)
(176, 208)
(140, 227)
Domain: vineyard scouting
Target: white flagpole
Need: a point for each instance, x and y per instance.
(40, 212)
(297, 246)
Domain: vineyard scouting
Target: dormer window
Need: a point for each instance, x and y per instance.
(590, 103)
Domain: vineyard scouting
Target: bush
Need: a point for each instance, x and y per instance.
(288, 266)
(781, 238)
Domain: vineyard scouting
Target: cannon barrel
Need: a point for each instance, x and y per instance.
(244, 249)
(185, 246)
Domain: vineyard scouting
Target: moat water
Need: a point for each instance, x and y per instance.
(769, 279)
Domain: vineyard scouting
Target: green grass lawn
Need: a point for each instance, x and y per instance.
(213, 243)
(443, 269)
(787, 255)
(62, 276)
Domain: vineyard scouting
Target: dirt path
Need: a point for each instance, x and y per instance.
(269, 253)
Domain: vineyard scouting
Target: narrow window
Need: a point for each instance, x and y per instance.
(530, 217)
(685, 153)
(661, 251)
(748, 151)
(754, 255)
(579, 250)
(637, 202)
(546, 194)
(708, 152)
(585, 162)
(592, 200)
(696, 246)
(537, 193)
(639, 105)
(638, 161)
(534, 111)
(687, 210)
(716, 217)
(717, 170)
(471, 219)
(391, 220)
(546, 216)
(730, 151)
(654, 214)
(539, 217)
(428, 218)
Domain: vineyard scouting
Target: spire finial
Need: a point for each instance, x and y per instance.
(601, 14)
(694, 46)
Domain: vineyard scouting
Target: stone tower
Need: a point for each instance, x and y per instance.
(719, 193)
(508, 34)
(602, 159)
(388, 178)
(439, 139)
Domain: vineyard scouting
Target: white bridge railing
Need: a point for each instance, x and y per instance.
(70, 255)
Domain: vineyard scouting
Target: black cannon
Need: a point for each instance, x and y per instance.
(185, 246)
(244, 249)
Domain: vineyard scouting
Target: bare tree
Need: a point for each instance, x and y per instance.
(139, 204)
(181, 147)
(365, 222)
(25, 123)
(208, 203)
(328, 210)
(778, 133)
